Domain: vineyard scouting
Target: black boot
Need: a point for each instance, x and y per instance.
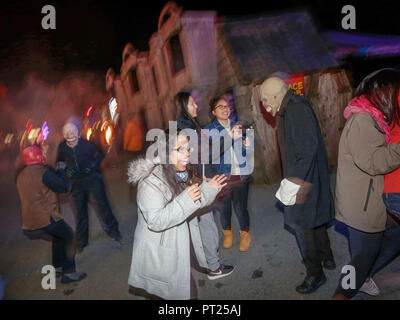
(311, 283)
(329, 264)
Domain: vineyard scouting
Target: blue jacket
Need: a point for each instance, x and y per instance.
(224, 163)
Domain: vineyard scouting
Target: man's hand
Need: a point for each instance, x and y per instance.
(217, 181)
(194, 192)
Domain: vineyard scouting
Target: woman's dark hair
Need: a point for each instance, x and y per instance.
(213, 104)
(182, 101)
(381, 88)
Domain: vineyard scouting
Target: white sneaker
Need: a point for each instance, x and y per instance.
(370, 287)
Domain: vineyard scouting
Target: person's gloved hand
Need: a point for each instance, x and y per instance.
(61, 165)
(87, 170)
(72, 172)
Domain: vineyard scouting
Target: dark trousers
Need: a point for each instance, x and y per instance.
(238, 196)
(81, 191)
(315, 248)
(370, 252)
(62, 237)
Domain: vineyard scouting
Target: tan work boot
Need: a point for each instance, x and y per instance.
(244, 240)
(227, 238)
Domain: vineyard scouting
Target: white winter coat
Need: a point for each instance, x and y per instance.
(161, 247)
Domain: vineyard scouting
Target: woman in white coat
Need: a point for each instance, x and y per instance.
(167, 233)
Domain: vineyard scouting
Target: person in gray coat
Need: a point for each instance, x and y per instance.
(304, 164)
(167, 240)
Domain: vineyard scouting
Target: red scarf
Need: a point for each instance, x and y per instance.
(362, 105)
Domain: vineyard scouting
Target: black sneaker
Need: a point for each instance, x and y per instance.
(221, 272)
(329, 264)
(311, 284)
(116, 236)
(72, 277)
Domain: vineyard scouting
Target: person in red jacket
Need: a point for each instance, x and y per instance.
(391, 198)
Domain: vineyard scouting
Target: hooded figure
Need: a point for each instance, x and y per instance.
(167, 236)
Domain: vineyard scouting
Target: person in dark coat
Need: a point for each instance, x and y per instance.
(187, 119)
(83, 159)
(304, 163)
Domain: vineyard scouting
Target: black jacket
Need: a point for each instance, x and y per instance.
(82, 161)
(303, 156)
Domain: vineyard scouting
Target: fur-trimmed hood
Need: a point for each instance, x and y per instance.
(140, 168)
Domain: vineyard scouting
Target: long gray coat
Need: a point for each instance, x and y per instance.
(303, 156)
(161, 247)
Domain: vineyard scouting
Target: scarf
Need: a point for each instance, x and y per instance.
(182, 176)
(363, 105)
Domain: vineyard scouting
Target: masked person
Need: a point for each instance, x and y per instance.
(187, 119)
(37, 186)
(366, 153)
(167, 240)
(304, 164)
(83, 159)
(232, 161)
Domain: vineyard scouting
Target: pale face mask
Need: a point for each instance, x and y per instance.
(71, 134)
(272, 91)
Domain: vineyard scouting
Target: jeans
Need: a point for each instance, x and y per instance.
(315, 247)
(239, 195)
(370, 252)
(392, 203)
(62, 237)
(210, 237)
(81, 190)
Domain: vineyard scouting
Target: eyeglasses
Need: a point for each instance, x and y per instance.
(222, 107)
(183, 149)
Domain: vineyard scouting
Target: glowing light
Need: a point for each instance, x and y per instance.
(33, 133)
(88, 134)
(8, 138)
(104, 125)
(113, 107)
(44, 133)
(108, 135)
(88, 111)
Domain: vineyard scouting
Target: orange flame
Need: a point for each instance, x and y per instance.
(88, 134)
(108, 135)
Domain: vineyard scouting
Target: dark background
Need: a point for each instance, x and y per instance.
(90, 35)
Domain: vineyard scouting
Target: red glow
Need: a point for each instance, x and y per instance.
(88, 111)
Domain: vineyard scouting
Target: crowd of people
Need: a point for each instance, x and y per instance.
(179, 195)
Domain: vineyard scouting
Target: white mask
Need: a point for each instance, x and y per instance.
(70, 133)
(272, 92)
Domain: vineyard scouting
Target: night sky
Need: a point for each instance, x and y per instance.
(90, 35)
